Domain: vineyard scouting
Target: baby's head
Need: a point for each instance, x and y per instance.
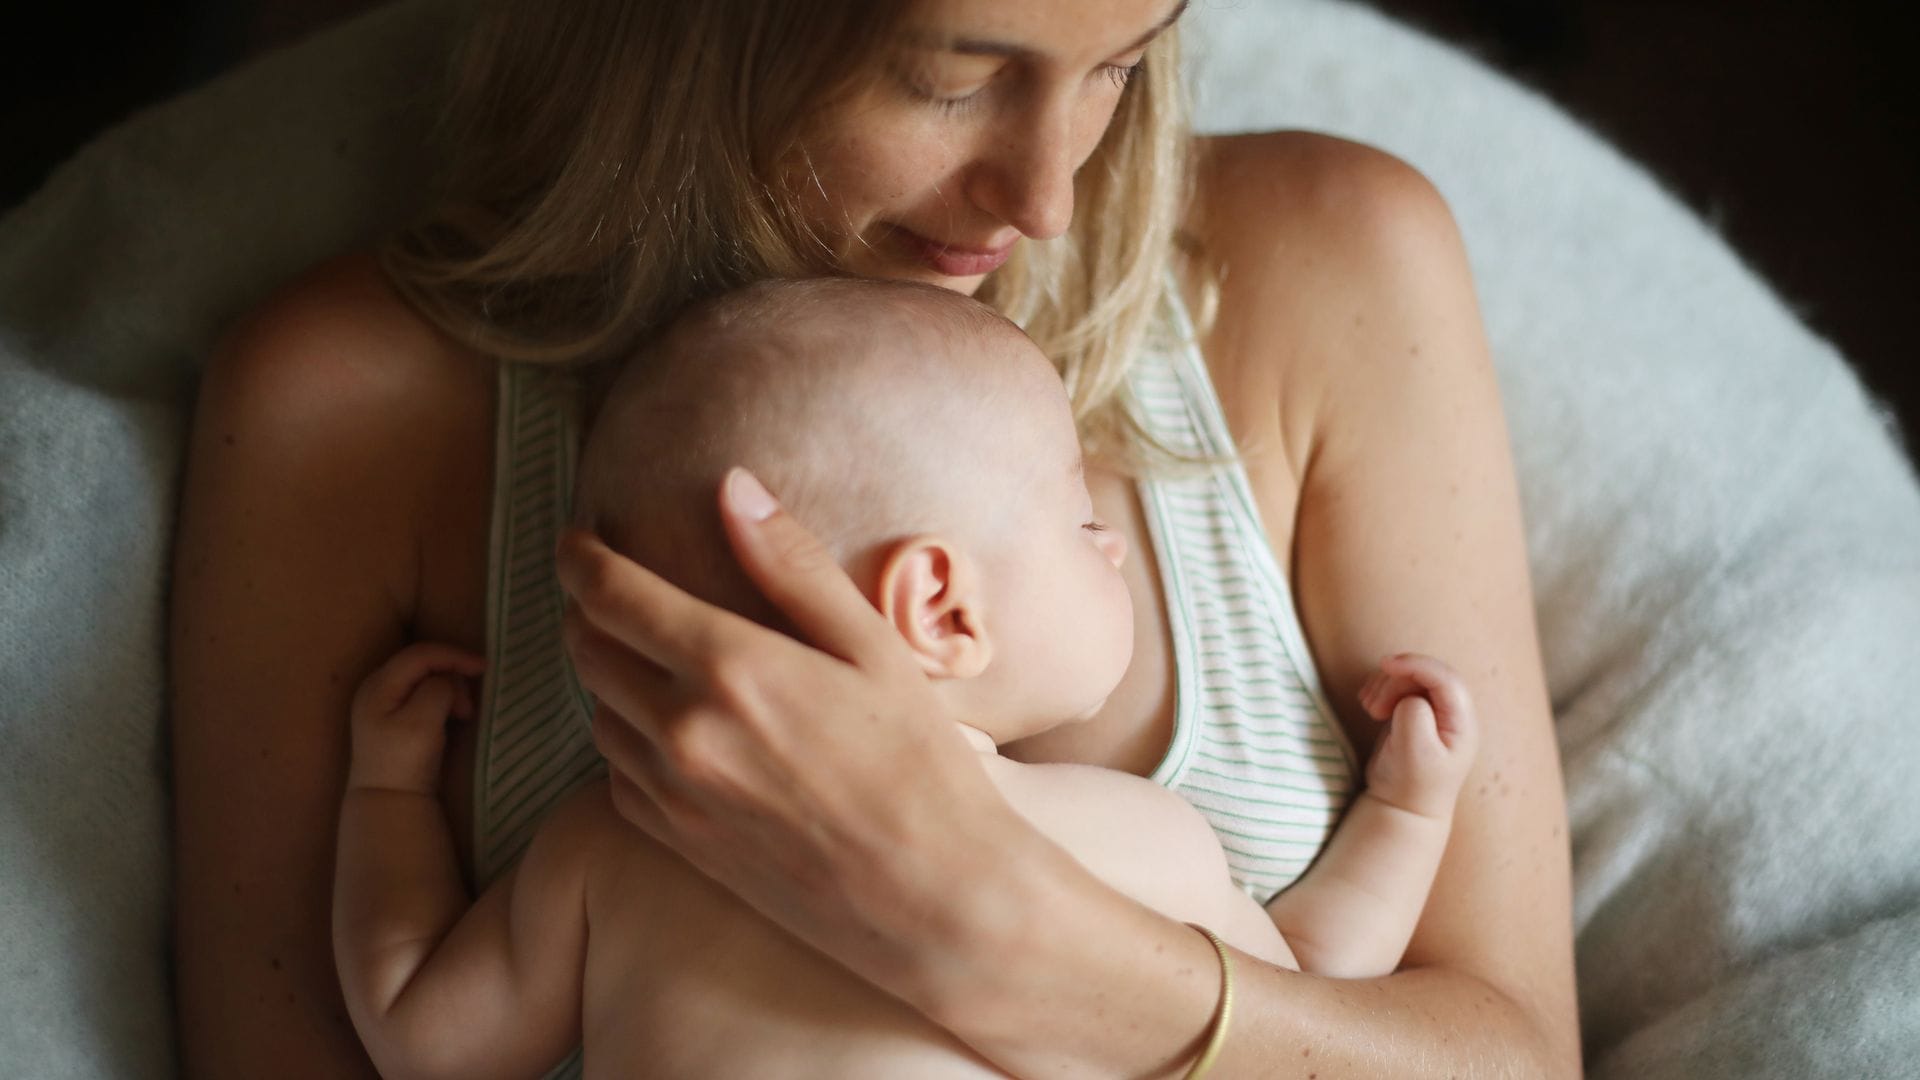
(922, 437)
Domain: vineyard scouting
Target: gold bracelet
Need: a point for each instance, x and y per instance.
(1217, 1035)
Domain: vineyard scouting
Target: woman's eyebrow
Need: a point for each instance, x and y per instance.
(976, 47)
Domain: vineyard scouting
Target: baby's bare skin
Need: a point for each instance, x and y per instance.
(1005, 589)
(570, 945)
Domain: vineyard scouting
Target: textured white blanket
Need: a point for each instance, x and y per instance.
(1725, 536)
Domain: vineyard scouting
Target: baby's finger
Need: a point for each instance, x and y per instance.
(1439, 682)
(429, 701)
(463, 708)
(1413, 721)
(1383, 691)
(423, 657)
(389, 685)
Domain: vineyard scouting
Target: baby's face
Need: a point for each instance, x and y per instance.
(1059, 611)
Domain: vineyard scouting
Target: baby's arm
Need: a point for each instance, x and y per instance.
(1354, 912)
(433, 993)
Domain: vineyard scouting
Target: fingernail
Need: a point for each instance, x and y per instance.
(749, 497)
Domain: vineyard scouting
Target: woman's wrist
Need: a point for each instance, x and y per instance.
(1050, 972)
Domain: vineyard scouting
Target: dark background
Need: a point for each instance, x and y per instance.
(1783, 122)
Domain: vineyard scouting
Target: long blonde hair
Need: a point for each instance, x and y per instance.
(609, 161)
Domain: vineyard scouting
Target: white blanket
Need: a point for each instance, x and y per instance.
(1725, 536)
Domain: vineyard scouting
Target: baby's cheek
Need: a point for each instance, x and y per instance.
(1120, 622)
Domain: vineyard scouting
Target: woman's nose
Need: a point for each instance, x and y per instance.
(1027, 180)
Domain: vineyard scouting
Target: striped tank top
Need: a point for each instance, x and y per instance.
(1255, 746)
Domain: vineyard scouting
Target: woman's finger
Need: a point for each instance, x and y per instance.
(639, 608)
(795, 571)
(642, 791)
(632, 684)
(632, 802)
(628, 750)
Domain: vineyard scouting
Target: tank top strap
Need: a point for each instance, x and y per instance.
(1255, 747)
(534, 743)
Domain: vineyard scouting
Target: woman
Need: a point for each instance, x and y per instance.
(623, 158)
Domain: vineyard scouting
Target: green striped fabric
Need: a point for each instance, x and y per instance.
(1255, 747)
(535, 746)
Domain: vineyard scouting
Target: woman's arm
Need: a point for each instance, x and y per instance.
(1409, 538)
(820, 792)
(316, 433)
(1347, 307)
(1347, 301)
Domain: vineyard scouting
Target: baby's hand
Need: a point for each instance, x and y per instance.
(400, 715)
(1427, 750)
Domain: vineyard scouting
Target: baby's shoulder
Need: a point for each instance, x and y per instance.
(584, 839)
(1127, 829)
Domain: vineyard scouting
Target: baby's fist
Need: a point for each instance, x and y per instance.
(400, 715)
(1427, 750)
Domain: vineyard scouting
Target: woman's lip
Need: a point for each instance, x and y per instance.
(954, 260)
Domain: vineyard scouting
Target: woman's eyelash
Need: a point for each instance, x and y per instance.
(945, 104)
(1096, 526)
(1120, 74)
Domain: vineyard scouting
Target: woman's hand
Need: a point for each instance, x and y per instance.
(820, 781)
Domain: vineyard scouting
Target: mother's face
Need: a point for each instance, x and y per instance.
(970, 135)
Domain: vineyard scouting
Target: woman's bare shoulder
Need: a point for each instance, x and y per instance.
(1262, 194)
(1310, 235)
(339, 340)
(1347, 284)
(333, 415)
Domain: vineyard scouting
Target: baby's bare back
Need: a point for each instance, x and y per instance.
(684, 980)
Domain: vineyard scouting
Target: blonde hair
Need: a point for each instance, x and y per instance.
(609, 161)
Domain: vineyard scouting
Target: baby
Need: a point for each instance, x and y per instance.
(930, 444)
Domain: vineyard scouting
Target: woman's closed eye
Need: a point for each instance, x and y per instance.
(957, 90)
(1121, 69)
(947, 81)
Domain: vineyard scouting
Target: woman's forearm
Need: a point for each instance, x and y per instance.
(1087, 983)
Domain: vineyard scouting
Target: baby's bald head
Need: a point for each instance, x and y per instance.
(874, 410)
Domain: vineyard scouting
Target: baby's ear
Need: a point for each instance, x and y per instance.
(930, 592)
